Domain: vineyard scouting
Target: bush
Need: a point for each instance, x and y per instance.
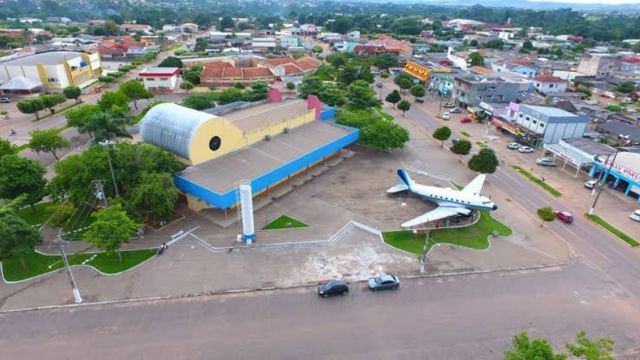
(124, 69)
(239, 85)
(187, 85)
(291, 86)
(106, 79)
(60, 214)
(384, 75)
(212, 87)
(117, 74)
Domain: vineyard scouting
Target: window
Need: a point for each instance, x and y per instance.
(535, 122)
(150, 79)
(527, 118)
(214, 143)
(550, 85)
(541, 124)
(520, 115)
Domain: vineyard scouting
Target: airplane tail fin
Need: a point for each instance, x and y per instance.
(404, 176)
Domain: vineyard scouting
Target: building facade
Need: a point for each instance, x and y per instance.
(471, 91)
(598, 65)
(56, 69)
(548, 125)
(158, 78)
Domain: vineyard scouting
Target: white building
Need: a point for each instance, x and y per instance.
(55, 70)
(549, 124)
(546, 83)
(158, 78)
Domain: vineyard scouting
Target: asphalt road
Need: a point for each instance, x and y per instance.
(465, 317)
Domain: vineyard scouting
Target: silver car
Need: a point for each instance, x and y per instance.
(384, 282)
(545, 162)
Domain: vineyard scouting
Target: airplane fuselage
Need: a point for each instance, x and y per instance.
(444, 196)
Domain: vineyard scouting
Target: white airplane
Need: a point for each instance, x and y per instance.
(450, 202)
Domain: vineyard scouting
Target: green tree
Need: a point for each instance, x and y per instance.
(461, 147)
(7, 148)
(171, 61)
(72, 93)
(417, 90)
(384, 135)
(114, 101)
(105, 126)
(79, 117)
(20, 176)
(404, 84)
(310, 86)
(199, 101)
(110, 228)
(485, 161)
(360, 95)
(291, 86)
(626, 87)
(383, 61)
(404, 105)
(527, 45)
(317, 49)
(31, 105)
(476, 59)
(473, 43)
(106, 79)
(48, 140)
(525, 348)
(587, 349)
(393, 97)
(192, 76)
(186, 85)
(51, 100)
(134, 90)
(227, 23)
(546, 214)
(442, 134)
(17, 238)
(332, 95)
(154, 197)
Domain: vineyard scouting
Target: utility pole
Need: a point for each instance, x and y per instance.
(74, 287)
(604, 179)
(100, 195)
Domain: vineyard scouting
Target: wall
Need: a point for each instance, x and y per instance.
(551, 87)
(169, 82)
(231, 139)
(259, 134)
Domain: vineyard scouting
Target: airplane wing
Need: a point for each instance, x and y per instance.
(475, 186)
(438, 213)
(397, 188)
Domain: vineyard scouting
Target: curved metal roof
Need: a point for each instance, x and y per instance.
(171, 127)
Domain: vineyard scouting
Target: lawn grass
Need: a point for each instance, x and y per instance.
(174, 47)
(464, 133)
(481, 144)
(536, 180)
(284, 222)
(43, 211)
(615, 231)
(384, 115)
(474, 236)
(38, 264)
(75, 226)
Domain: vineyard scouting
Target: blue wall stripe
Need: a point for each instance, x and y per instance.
(262, 182)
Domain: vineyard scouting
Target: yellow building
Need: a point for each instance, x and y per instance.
(265, 144)
(55, 70)
(416, 70)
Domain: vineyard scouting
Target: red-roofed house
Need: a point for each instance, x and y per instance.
(385, 44)
(289, 69)
(160, 78)
(225, 74)
(111, 49)
(547, 83)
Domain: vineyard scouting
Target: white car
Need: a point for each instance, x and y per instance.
(445, 116)
(525, 149)
(635, 216)
(590, 184)
(514, 146)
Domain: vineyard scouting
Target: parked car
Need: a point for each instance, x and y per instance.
(333, 287)
(446, 116)
(420, 99)
(564, 216)
(379, 85)
(384, 282)
(449, 105)
(465, 120)
(456, 110)
(525, 149)
(545, 162)
(635, 216)
(590, 184)
(5, 99)
(513, 146)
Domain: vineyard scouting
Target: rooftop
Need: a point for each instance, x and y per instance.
(159, 71)
(47, 58)
(256, 117)
(591, 147)
(221, 175)
(549, 111)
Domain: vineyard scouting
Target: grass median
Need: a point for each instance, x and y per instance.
(538, 181)
(37, 264)
(475, 236)
(284, 222)
(612, 229)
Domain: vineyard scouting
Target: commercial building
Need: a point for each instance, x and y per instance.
(580, 153)
(624, 174)
(159, 78)
(55, 70)
(265, 144)
(471, 90)
(548, 125)
(598, 65)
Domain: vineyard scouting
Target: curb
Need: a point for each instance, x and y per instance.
(264, 289)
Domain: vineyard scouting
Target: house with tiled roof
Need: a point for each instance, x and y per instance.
(226, 74)
(111, 49)
(547, 83)
(290, 69)
(385, 44)
(129, 28)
